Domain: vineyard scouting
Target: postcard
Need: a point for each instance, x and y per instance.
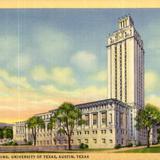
(79, 80)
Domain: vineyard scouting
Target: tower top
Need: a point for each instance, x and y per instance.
(125, 22)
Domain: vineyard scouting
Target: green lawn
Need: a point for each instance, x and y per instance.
(60, 151)
(153, 149)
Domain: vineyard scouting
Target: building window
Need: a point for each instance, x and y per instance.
(79, 132)
(122, 141)
(115, 71)
(104, 118)
(94, 132)
(110, 118)
(125, 68)
(94, 140)
(95, 119)
(79, 141)
(110, 141)
(103, 140)
(87, 119)
(86, 140)
(120, 71)
(110, 130)
(121, 119)
(103, 131)
(86, 132)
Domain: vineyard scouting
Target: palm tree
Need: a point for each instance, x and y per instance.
(33, 123)
(66, 117)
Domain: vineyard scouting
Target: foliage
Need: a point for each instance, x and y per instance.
(83, 146)
(33, 123)
(117, 146)
(139, 144)
(10, 143)
(130, 145)
(65, 118)
(1, 133)
(7, 132)
(29, 142)
(158, 136)
(147, 118)
(25, 140)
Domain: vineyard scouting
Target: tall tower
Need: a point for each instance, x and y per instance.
(126, 64)
(126, 69)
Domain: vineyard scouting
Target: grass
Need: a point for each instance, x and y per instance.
(153, 149)
(60, 151)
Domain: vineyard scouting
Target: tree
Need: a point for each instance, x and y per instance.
(148, 118)
(33, 123)
(66, 117)
(7, 132)
(50, 126)
(1, 133)
(158, 135)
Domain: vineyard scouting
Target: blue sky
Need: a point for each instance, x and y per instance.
(53, 55)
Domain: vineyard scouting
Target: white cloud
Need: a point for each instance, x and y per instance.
(151, 82)
(14, 81)
(39, 73)
(91, 93)
(100, 76)
(60, 75)
(63, 75)
(85, 61)
(27, 100)
(153, 99)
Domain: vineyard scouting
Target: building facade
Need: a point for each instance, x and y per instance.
(106, 126)
(111, 121)
(126, 71)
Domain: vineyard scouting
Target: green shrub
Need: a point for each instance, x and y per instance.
(83, 146)
(117, 146)
(14, 143)
(29, 143)
(5, 144)
(130, 145)
(11, 143)
(139, 144)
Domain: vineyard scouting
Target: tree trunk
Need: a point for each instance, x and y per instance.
(69, 142)
(34, 136)
(148, 138)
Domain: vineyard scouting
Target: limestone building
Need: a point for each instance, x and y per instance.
(126, 70)
(106, 126)
(111, 121)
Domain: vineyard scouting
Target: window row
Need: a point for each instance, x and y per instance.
(103, 140)
(95, 119)
(94, 132)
